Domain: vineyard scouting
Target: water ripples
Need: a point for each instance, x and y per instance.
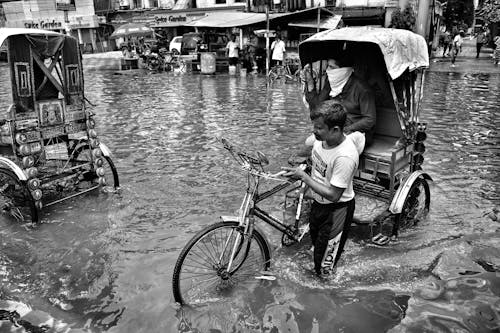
(111, 256)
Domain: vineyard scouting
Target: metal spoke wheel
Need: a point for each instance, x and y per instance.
(82, 156)
(415, 207)
(15, 198)
(273, 74)
(201, 272)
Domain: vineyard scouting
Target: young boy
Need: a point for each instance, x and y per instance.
(335, 158)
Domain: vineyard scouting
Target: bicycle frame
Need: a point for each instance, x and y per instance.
(249, 209)
(253, 165)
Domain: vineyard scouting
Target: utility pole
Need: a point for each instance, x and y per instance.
(319, 18)
(422, 17)
(267, 37)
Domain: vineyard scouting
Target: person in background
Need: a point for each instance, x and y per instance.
(480, 40)
(335, 158)
(232, 51)
(251, 49)
(126, 52)
(456, 46)
(278, 51)
(496, 52)
(446, 43)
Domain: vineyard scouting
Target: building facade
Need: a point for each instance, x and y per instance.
(78, 18)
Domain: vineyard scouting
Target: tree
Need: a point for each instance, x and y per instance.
(459, 13)
(403, 19)
(490, 11)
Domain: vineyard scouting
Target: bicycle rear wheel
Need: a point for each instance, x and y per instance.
(200, 273)
(273, 75)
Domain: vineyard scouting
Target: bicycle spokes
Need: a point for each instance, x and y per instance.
(219, 261)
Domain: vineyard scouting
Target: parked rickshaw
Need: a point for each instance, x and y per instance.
(49, 148)
(234, 254)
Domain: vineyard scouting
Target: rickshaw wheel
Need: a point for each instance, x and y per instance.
(83, 153)
(415, 207)
(15, 198)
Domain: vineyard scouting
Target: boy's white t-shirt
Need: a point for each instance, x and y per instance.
(336, 166)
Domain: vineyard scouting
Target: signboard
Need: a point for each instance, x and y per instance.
(65, 5)
(175, 20)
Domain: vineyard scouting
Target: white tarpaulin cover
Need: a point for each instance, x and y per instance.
(227, 19)
(402, 49)
(6, 32)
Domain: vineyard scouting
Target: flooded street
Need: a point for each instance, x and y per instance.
(104, 262)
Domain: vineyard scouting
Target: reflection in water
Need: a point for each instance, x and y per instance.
(104, 262)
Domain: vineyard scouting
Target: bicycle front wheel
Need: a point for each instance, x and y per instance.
(201, 272)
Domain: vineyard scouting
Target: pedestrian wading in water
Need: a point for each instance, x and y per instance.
(335, 158)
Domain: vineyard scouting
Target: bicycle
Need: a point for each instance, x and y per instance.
(234, 253)
(278, 72)
(174, 62)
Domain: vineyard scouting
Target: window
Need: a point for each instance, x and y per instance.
(220, 1)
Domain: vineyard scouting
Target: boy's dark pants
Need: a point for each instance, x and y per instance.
(325, 222)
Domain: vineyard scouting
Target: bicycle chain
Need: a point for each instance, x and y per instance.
(13, 317)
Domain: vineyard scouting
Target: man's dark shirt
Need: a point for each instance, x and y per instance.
(358, 99)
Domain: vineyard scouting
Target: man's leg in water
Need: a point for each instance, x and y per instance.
(349, 213)
(320, 224)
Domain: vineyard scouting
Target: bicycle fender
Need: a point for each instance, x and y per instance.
(402, 192)
(14, 168)
(229, 218)
(105, 150)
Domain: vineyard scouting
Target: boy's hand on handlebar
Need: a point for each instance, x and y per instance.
(297, 172)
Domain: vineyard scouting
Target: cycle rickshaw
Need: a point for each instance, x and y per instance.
(49, 148)
(234, 252)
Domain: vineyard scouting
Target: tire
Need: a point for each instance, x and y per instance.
(82, 153)
(273, 75)
(415, 207)
(15, 197)
(199, 266)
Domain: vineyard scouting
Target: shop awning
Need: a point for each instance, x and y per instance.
(227, 20)
(325, 23)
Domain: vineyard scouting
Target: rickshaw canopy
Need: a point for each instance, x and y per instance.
(7, 32)
(401, 49)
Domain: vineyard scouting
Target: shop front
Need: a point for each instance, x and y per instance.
(78, 23)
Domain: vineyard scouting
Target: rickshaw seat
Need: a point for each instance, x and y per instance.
(385, 155)
(387, 133)
(382, 146)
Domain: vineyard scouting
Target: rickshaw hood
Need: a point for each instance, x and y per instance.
(401, 49)
(7, 32)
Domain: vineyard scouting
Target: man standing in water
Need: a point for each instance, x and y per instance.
(335, 158)
(232, 51)
(278, 50)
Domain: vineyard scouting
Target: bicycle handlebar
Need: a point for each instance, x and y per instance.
(251, 163)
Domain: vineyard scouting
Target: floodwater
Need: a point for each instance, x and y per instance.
(104, 262)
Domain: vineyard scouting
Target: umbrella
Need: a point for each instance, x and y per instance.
(131, 30)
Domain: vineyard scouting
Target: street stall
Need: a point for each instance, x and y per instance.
(130, 45)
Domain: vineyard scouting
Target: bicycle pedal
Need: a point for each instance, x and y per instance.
(303, 231)
(266, 277)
